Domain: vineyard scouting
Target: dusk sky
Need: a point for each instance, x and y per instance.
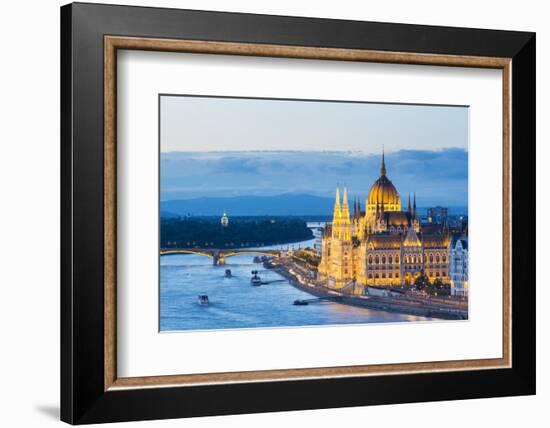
(227, 147)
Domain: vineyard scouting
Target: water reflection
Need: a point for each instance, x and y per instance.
(234, 303)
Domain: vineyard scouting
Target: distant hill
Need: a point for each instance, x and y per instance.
(278, 205)
(167, 214)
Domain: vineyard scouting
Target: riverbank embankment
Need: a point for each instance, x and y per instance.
(401, 305)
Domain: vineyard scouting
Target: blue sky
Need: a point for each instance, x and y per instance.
(233, 147)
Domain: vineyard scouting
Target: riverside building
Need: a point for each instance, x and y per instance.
(382, 246)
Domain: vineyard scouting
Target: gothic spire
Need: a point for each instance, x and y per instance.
(336, 218)
(414, 206)
(344, 224)
(337, 201)
(345, 205)
(409, 204)
(383, 165)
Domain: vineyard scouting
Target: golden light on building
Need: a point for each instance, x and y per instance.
(384, 245)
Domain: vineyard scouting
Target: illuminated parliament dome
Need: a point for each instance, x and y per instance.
(383, 193)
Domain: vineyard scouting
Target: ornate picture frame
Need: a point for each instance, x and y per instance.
(91, 389)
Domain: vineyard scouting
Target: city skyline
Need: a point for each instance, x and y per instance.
(313, 207)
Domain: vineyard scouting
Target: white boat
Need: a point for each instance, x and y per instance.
(255, 280)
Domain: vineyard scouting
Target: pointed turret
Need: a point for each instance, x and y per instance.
(383, 165)
(345, 231)
(409, 204)
(345, 205)
(337, 215)
(337, 203)
(414, 206)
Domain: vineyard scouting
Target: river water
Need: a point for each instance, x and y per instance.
(235, 303)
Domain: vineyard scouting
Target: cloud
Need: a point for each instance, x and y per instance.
(437, 176)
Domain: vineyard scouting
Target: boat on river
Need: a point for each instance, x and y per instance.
(255, 280)
(203, 299)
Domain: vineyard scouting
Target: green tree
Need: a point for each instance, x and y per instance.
(421, 282)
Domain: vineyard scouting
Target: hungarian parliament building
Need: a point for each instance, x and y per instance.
(383, 246)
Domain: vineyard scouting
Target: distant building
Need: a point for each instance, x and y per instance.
(458, 266)
(438, 215)
(224, 220)
(318, 235)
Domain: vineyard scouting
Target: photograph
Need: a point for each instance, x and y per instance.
(277, 209)
(294, 213)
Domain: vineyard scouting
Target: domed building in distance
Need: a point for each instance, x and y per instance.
(382, 246)
(224, 219)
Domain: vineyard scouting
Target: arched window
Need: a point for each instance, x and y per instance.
(377, 260)
(370, 260)
(397, 259)
(383, 260)
(390, 259)
(444, 274)
(376, 276)
(397, 275)
(437, 274)
(431, 258)
(370, 275)
(383, 275)
(389, 275)
(444, 258)
(437, 258)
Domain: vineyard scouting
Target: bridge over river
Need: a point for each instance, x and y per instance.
(218, 256)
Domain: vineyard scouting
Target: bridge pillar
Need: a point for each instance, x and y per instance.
(218, 259)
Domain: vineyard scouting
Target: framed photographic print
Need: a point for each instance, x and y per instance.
(265, 213)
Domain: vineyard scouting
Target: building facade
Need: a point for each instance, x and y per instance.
(459, 267)
(318, 233)
(382, 246)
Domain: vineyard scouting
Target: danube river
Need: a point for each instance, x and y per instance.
(235, 303)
